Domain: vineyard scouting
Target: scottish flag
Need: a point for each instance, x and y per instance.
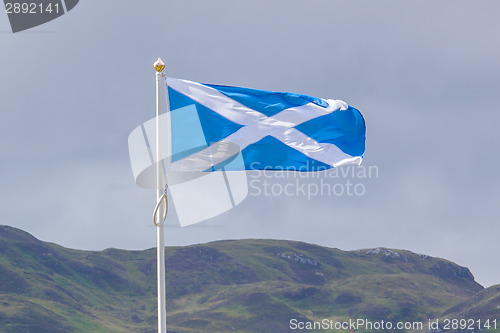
(269, 130)
(212, 132)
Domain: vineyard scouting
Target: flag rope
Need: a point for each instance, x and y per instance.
(163, 198)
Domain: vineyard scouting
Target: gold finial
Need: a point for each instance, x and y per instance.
(159, 65)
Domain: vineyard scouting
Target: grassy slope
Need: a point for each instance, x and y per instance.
(244, 286)
(297, 280)
(47, 288)
(485, 305)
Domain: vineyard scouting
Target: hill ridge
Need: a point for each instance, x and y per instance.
(247, 285)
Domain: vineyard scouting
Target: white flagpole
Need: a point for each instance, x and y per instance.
(161, 195)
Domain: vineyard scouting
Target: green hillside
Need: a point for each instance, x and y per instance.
(483, 308)
(226, 286)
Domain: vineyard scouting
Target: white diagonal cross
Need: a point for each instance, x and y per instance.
(256, 126)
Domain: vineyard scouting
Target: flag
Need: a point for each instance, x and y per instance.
(270, 130)
(216, 133)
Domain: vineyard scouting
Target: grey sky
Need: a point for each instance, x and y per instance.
(425, 75)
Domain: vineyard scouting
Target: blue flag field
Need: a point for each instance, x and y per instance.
(271, 130)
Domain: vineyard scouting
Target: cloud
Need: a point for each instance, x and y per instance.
(423, 74)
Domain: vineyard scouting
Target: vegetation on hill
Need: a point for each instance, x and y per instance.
(227, 286)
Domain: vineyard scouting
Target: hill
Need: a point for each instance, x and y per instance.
(226, 286)
(482, 309)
